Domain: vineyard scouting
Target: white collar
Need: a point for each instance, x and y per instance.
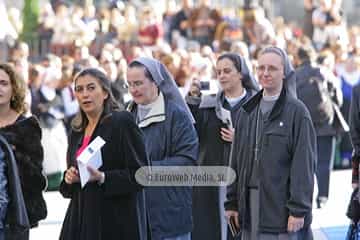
(271, 98)
(156, 113)
(234, 101)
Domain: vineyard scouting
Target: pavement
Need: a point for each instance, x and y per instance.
(49, 229)
(329, 223)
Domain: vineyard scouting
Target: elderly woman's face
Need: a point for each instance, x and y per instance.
(90, 95)
(142, 89)
(5, 88)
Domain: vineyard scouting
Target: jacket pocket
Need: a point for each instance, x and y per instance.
(276, 145)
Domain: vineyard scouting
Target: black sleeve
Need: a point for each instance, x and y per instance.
(231, 202)
(355, 169)
(303, 163)
(355, 120)
(25, 138)
(198, 114)
(36, 153)
(122, 181)
(355, 133)
(67, 190)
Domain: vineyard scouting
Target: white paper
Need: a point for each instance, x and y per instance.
(91, 156)
(226, 117)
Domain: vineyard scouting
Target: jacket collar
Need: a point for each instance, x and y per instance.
(218, 102)
(213, 101)
(250, 105)
(156, 113)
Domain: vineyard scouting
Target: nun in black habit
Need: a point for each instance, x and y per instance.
(215, 138)
(274, 156)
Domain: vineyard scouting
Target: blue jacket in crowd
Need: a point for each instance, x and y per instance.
(170, 140)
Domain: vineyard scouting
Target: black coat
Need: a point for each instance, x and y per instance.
(25, 137)
(115, 209)
(208, 202)
(286, 163)
(17, 221)
(355, 119)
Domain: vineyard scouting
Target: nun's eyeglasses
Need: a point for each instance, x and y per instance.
(270, 69)
(135, 84)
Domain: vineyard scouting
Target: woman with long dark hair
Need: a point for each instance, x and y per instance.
(111, 205)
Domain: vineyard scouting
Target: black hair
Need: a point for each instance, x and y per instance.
(306, 53)
(234, 58)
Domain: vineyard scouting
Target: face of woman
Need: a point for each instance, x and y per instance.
(227, 75)
(143, 90)
(90, 95)
(271, 73)
(5, 88)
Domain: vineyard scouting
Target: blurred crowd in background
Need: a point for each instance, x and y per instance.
(48, 45)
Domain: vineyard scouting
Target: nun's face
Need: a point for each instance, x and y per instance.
(227, 75)
(270, 73)
(142, 89)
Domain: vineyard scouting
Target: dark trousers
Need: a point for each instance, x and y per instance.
(17, 235)
(325, 153)
(345, 141)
